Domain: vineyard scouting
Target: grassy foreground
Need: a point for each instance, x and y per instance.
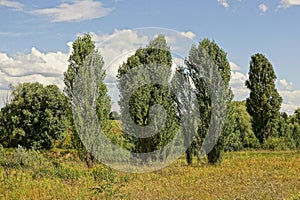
(242, 175)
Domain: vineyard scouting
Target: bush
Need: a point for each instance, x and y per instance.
(109, 183)
(233, 142)
(238, 130)
(34, 117)
(66, 173)
(3, 159)
(278, 144)
(26, 158)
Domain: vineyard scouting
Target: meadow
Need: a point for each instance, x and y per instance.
(59, 174)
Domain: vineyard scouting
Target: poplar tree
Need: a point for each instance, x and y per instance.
(84, 52)
(213, 54)
(264, 102)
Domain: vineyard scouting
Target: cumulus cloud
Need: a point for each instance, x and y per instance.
(78, 10)
(291, 100)
(289, 3)
(11, 4)
(234, 67)
(46, 68)
(237, 84)
(188, 34)
(263, 8)
(285, 85)
(223, 3)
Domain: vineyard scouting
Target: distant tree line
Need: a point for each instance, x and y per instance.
(40, 117)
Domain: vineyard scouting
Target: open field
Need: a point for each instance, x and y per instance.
(242, 175)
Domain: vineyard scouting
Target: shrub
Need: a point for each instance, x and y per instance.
(278, 144)
(3, 158)
(109, 183)
(26, 158)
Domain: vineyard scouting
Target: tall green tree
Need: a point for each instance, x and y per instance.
(84, 53)
(35, 116)
(211, 52)
(264, 102)
(156, 55)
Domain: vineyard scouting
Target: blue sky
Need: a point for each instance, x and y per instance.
(35, 35)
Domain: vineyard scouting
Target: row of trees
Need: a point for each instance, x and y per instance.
(38, 116)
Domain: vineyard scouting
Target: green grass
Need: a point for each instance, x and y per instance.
(242, 175)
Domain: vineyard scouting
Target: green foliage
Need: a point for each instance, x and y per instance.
(211, 51)
(156, 55)
(34, 118)
(264, 102)
(238, 127)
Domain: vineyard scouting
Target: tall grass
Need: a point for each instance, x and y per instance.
(241, 175)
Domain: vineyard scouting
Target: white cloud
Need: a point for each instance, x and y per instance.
(78, 10)
(224, 3)
(234, 67)
(289, 3)
(284, 85)
(11, 4)
(291, 100)
(46, 68)
(3, 97)
(188, 34)
(237, 84)
(263, 8)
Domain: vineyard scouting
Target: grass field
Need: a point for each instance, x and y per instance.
(242, 175)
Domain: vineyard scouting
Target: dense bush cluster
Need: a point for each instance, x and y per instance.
(34, 117)
(286, 134)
